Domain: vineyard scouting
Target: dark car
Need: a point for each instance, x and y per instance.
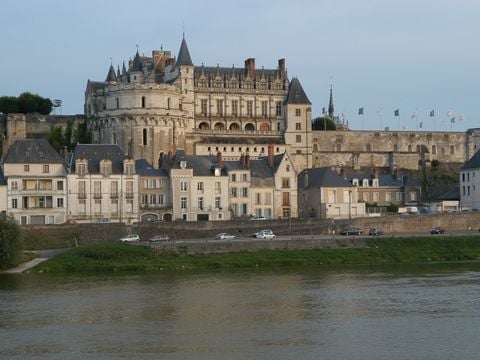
(438, 230)
(351, 231)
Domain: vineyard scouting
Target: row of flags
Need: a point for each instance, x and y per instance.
(396, 113)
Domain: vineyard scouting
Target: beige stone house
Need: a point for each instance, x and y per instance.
(34, 174)
(102, 184)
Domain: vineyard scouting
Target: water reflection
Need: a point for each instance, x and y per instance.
(357, 313)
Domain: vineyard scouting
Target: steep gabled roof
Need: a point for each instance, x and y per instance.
(144, 168)
(32, 152)
(184, 58)
(321, 177)
(296, 95)
(473, 163)
(94, 153)
(111, 77)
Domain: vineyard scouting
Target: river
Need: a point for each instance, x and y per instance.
(394, 312)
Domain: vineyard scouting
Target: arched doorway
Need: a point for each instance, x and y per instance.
(249, 127)
(234, 126)
(219, 126)
(167, 217)
(204, 126)
(264, 127)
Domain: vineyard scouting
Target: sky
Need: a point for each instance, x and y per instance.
(379, 55)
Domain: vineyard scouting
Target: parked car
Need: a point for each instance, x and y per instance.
(225, 236)
(375, 231)
(130, 238)
(258, 218)
(351, 231)
(265, 234)
(159, 237)
(438, 230)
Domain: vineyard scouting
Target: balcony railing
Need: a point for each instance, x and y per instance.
(97, 195)
(82, 195)
(129, 195)
(114, 195)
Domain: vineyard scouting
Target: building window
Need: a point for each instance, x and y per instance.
(14, 185)
(233, 192)
(217, 203)
(81, 190)
(114, 189)
(14, 203)
(298, 126)
(200, 203)
(203, 106)
(82, 206)
(81, 169)
(245, 192)
(219, 107)
(26, 168)
(183, 186)
(278, 108)
(183, 202)
(286, 199)
(375, 196)
(234, 177)
(46, 169)
(143, 101)
(399, 196)
(297, 112)
(234, 107)
(388, 196)
(285, 183)
(218, 187)
(59, 185)
(413, 196)
(258, 198)
(249, 108)
(118, 103)
(268, 199)
(60, 202)
(298, 138)
(244, 177)
(452, 149)
(97, 189)
(144, 137)
(160, 199)
(265, 108)
(200, 186)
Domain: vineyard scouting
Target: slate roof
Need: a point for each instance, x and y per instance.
(296, 95)
(322, 177)
(144, 168)
(96, 152)
(32, 152)
(137, 63)
(184, 55)
(383, 179)
(226, 73)
(473, 163)
(111, 75)
(452, 194)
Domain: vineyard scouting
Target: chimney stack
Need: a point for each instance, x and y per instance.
(281, 67)
(247, 160)
(219, 160)
(160, 160)
(271, 156)
(250, 67)
(242, 159)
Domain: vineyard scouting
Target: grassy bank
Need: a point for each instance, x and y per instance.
(123, 257)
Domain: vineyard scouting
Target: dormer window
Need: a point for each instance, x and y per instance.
(365, 183)
(183, 164)
(81, 166)
(105, 167)
(375, 182)
(128, 167)
(355, 182)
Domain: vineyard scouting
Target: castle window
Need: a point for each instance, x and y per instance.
(234, 107)
(278, 108)
(144, 137)
(46, 169)
(298, 138)
(203, 106)
(434, 150)
(249, 108)
(26, 168)
(168, 103)
(298, 112)
(418, 148)
(219, 107)
(264, 108)
(452, 149)
(118, 103)
(298, 126)
(143, 101)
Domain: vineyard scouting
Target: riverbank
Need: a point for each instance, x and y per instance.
(110, 257)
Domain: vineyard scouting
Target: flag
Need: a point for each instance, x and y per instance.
(414, 115)
(396, 112)
(461, 118)
(432, 113)
(360, 111)
(323, 111)
(449, 113)
(420, 125)
(452, 120)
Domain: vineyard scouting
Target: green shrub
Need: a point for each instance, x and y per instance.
(10, 242)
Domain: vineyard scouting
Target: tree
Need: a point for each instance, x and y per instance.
(323, 123)
(10, 242)
(68, 136)
(82, 134)
(26, 103)
(55, 138)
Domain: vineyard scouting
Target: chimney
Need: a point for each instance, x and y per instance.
(342, 171)
(250, 67)
(247, 160)
(242, 159)
(160, 160)
(395, 172)
(219, 160)
(271, 157)
(281, 67)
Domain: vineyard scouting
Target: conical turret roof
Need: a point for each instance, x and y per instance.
(184, 58)
(111, 77)
(137, 63)
(296, 95)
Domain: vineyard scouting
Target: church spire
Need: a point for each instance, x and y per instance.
(111, 77)
(330, 104)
